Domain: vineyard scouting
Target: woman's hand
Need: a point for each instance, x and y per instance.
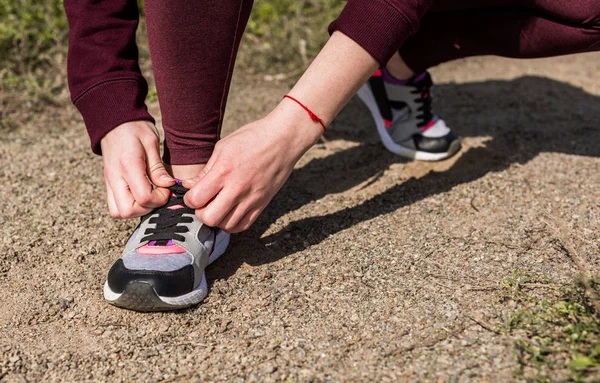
(131, 165)
(248, 167)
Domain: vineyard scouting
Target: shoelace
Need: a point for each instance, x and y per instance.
(422, 89)
(168, 217)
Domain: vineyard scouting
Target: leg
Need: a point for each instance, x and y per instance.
(193, 47)
(537, 31)
(398, 68)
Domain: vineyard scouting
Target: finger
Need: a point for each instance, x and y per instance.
(141, 189)
(203, 191)
(155, 167)
(230, 221)
(126, 204)
(112, 205)
(216, 210)
(246, 221)
(189, 183)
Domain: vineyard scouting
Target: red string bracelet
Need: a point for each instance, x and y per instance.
(313, 116)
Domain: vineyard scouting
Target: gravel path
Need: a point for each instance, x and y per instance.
(365, 267)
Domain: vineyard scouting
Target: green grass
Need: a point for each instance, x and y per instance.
(284, 35)
(555, 335)
(33, 42)
(33, 37)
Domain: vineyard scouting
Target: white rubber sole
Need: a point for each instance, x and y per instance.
(367, 97)
(141, 296)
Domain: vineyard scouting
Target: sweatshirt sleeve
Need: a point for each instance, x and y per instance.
(105, 80)
(380, 26)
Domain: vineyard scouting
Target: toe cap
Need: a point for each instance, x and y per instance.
(434, 144)
(166, 283)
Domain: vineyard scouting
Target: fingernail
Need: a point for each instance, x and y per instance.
(166, 178)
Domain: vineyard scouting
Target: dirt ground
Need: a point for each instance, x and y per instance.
(365, 266)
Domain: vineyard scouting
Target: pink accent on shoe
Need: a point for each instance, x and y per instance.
(387, 123)
(173, 194)
(377, 73)
(429, 125)
(175, 207)
(160, 250)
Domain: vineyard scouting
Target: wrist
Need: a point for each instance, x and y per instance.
(304, 131)
(135, 128)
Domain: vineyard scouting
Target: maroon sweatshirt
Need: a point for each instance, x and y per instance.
(105, 80)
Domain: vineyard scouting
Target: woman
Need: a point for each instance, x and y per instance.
(193, 46)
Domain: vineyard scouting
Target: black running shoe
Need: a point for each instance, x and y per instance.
(404, 119)
(162, 267)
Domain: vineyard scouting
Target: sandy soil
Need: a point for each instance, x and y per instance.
(365, 266)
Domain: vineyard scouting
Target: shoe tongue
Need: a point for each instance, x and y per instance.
(163, 242)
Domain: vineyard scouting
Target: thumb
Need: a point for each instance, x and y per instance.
(203, 190)
(156, 168)
(190, 182)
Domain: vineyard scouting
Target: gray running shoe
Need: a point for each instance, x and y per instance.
(162, 267)
(404, 119)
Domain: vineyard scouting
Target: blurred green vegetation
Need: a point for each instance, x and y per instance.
(282, 36)
(555, 334)
(33, 37)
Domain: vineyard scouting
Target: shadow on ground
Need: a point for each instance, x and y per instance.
(523, 117)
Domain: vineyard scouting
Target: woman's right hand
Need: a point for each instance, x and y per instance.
(249, 166)
(132, 164)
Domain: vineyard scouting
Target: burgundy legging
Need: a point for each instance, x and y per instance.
(193, 62)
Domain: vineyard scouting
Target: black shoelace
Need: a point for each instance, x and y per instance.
(422, 89)
(167, 221)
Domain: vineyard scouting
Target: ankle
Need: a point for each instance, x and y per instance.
(400, 75)
(184, 172)
(398, 68)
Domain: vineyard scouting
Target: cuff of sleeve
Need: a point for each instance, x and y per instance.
(110, 104)
(375, 25)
